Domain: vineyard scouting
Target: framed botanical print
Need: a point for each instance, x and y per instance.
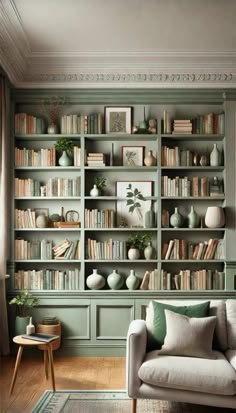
(118, 119)
(132, 155)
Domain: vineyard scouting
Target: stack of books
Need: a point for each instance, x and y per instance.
(96, 159)
(67, 250)
(49, 320)
(183, 126)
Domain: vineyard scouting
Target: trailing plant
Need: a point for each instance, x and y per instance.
(64, 144)
(139, 241)
(24, 301)
(134, 196)
(100, 182)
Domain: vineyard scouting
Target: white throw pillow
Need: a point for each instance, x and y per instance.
(188, 336)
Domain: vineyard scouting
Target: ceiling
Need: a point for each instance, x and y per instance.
(94, 43)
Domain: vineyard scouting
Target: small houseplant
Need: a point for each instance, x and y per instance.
(136, 243)
(99, 185)
(65, 147)
(24, 302)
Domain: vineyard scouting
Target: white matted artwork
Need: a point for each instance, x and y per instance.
(131, 208)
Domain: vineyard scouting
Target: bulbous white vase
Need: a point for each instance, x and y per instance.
(95, 281)
(133, 254)
(215, 217)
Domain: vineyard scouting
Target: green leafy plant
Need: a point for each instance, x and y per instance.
(134, 196)
(100, 182)
(64, 144)
(24, 301)
(139, 241)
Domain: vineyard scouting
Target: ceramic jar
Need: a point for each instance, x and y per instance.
(30, 328)
(203, 160)
(132, 282)
(115, 280)
(94, 191)
(148, 251)
(20, 325)
(65, 159)
(193, 218)
(41, 221)
(176, 219)
(95, 281)
(150, 160)
(215, 156)
(133, 254)
(215, 217)
(52, 128)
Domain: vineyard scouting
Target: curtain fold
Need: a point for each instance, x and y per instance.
(4, 208)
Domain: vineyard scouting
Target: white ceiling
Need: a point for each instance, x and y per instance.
(58, 43)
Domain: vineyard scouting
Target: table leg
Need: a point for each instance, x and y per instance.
(18, 359)
(45, 356)
(51, 365)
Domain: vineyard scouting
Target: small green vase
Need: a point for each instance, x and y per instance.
(20, 325)
(65, 160)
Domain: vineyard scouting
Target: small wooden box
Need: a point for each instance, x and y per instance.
(50, 329)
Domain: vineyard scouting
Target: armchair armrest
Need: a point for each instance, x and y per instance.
(135, 353)
(231, 356)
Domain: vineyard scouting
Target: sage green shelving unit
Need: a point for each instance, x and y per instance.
(96, 322)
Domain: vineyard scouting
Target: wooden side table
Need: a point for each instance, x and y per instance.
(48, 358)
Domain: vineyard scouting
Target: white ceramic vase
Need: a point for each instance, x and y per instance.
(95, 281)
(133, 254)
(94, 191)
(42, 221)
(215, 156)
(215, 217)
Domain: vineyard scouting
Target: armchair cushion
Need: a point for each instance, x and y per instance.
(156, 321)
(188, 336)
(192, 374)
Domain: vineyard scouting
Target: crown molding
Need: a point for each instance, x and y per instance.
(29, 69)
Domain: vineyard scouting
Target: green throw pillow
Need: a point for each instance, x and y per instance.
(157, 327)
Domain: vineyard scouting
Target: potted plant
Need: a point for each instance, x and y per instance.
(65, 147)
(100, 183)
(24, 302)
(133, 196)
(136, 243)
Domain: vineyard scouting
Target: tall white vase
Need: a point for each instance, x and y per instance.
(215, 217)
(215, 156)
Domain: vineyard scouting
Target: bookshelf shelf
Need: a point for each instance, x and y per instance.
(122, 168)
(47, 229)
(48, 168)
(48, 261)
(47, 198)
(193, 229)
(123, 261)
(194, 168)
(192, 261)
(122, 229)
(197, 137)
(194, 198)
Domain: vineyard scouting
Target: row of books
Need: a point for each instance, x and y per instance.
(181, 249)
(44, 250)
(185, 186)
(32, 157)
(106, 250)
(28, 124)
(208, 123)
(181, 157)
(96, 159)
(53, 187)
(95, 218)
(25, 218)
(82, 124)
(47, 279)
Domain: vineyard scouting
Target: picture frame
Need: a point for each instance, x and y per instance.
(133, 202)
(132, 155)
(41, 211)
(118, 119)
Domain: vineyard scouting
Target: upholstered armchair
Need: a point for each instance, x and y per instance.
(199, 380)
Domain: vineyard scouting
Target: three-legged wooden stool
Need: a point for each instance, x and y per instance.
(48, 358)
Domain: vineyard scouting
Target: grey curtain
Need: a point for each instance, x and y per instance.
(4, 208)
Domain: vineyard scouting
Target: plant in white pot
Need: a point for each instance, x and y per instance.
(98, 187)
(65, 146)
(136, 243)
(24, 302)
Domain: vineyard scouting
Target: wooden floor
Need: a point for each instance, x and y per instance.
(70, 373)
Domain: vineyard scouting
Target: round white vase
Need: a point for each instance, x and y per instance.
(94, 191)
(115, 280)
(133, 254)
(215, 217)
(42, 221)
(95, 281)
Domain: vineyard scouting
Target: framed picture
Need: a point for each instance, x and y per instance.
(118, 119)
(133, 202)
(41, 211)
(132, 155)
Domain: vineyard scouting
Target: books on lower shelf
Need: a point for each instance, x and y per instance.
(186, 280)
(106, 250)
(47, 279)
(45, 338)
(95, 218)
(180, 249)
(96, 159)
(195, 186)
